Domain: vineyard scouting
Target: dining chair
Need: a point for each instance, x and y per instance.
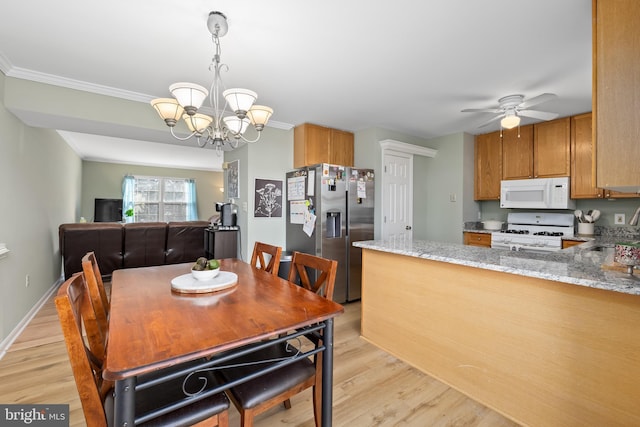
(96, 394)
(266, 391)
(97, 291)
(274, 253)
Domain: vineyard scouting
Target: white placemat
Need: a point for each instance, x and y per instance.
(186, 283)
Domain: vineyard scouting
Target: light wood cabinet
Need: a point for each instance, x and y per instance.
(583, 163)
(569, 243)
(551, 148)
(583, 159)
(537, 151)
(488, 166)
(517, 153)
(477, 239)
(616, 92)
(313, 144)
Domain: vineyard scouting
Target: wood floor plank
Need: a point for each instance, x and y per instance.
(371, 387)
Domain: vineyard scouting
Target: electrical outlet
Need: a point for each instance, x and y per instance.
(452, 197)
(619, 219)
(26, 281)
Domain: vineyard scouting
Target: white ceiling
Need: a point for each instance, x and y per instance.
(407, 66)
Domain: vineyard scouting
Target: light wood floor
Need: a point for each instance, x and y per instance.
(371, 388)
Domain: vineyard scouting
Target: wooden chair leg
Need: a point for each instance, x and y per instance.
(246, 418)
(223, 419)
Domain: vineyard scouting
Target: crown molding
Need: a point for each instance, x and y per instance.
(51, 79)
(403, 147)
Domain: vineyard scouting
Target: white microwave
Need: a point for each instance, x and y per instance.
(539, 193)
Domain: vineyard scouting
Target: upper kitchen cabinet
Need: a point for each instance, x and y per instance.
(616, 93)
(313, 144)
(488, 166)
(583, 159)
(583, 163)
(517, 153)
(551, 148)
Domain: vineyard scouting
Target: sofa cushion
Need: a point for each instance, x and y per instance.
(185, 241)
(144, 244)
(105, 239)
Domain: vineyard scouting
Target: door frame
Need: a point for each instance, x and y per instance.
(393, 147)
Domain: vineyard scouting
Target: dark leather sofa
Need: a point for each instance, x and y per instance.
(130, 245)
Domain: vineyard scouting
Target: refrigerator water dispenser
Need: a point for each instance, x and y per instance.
(333, 225)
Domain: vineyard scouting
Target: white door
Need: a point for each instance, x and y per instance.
(397, 191)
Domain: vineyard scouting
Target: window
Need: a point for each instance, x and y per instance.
(151, 199)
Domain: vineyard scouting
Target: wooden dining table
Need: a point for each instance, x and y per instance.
(152, 327)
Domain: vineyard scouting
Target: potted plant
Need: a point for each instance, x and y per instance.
(128, 215)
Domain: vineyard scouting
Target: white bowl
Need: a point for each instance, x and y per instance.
(492, 224)
(205, 274)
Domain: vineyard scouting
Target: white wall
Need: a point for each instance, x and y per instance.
(269, 158)
(40, 181)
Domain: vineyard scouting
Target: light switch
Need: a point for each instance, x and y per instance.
(245, 207)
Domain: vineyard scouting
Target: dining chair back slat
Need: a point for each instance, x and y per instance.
(97, 291)
(266, 257)
(325, 271)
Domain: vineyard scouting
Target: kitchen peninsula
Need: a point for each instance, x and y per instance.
(545, 339)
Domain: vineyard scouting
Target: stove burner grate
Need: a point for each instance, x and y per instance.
(517, 231)
(549, 233)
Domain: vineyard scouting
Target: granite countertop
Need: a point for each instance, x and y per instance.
(578, 265)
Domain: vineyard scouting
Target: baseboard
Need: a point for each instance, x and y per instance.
(15, 333)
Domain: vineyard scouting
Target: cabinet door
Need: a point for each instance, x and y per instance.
(551, 142)
(310, 145)
(569, 243)
(477, 239)
(488, 166)
(616, 92)
(583, 159)
(517, 153)
(341, 148)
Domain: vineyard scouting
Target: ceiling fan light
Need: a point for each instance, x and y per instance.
(236, 125)
(240, 100)
(189, 95)
(259, 116)
(169, 110)
(197, 123)
(510, 121)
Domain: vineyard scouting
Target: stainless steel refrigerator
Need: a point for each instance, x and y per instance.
(328, 208)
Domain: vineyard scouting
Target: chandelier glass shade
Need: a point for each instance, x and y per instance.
(224, 128)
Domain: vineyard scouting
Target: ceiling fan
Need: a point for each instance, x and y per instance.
(512, 107)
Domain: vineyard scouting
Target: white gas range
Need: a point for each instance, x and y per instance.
(534, 232)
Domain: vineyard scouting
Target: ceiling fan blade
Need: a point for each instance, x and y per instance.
(488, 122)
(534, 114)
(481, 110)
(537, 100)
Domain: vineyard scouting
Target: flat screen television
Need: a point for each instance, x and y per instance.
(107, 210)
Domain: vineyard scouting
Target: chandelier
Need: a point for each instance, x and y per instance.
(220, 130)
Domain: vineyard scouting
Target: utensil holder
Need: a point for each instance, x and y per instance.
(585, 228)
